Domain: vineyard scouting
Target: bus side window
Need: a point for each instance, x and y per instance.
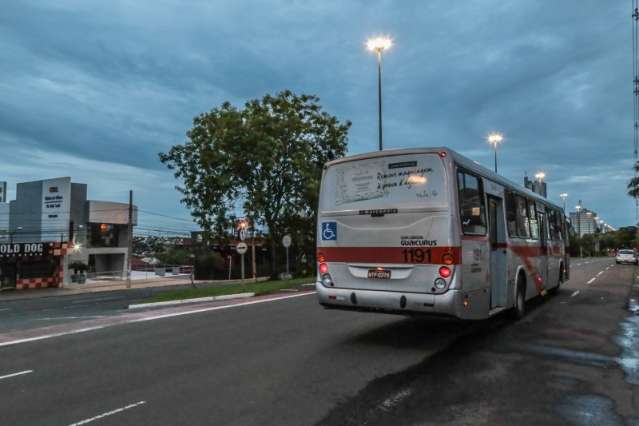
(532, 219)
(554, 225)
(471, 204)
(511, 214)
(522, 217)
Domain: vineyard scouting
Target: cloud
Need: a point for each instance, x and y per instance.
(114, 83)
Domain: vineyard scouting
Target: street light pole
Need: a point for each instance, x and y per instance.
(495, 139)
(378, 45)
(379, 98)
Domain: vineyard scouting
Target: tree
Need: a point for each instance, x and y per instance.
(633, 185)
(263, 161)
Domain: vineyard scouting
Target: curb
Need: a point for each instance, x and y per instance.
(193, 300)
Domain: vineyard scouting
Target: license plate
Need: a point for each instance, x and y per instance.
(379, 274)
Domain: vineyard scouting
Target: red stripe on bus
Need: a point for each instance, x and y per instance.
(388, 254)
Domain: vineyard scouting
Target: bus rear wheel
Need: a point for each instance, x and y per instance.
(519, 311)
(560, 281)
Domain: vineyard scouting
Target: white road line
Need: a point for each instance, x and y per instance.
(600, 272)
(150, 318)
(591, 280)
(574, 293)
(19, 373)
(108, 413)
(4, 309)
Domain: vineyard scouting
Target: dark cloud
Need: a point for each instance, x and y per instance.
(118, 82)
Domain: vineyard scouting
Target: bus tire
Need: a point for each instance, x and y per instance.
(560, 281)
(519, 311)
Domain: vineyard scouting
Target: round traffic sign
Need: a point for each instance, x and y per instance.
(241, 248)
(286, 241)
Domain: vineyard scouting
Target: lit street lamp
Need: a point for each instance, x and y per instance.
(378, 45)
(563, 197)
(495, 139)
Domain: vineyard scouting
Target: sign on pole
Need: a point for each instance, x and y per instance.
(286, 242)
(241, 248)
(242, 234)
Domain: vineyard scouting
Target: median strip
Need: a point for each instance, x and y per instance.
(224, 292)
(193, 300)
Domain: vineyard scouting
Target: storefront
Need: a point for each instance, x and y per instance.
(31, 265)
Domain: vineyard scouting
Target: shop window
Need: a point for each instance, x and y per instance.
(471, 204)
(36, 269)
(103, 235)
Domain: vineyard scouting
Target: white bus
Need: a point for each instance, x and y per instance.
(430, 231)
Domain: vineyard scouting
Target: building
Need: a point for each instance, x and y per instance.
(53, 226)
(584, 221)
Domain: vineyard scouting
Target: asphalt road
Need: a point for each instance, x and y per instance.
(291, 362)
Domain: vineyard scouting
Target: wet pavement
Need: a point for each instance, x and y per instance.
(573, 360)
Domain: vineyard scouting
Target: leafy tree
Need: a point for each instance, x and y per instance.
(264, 160)
(633, 185)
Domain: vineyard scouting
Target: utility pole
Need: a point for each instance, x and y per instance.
(253, 257)
(128, 267)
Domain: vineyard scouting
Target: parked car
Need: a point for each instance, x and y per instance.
(626, 256)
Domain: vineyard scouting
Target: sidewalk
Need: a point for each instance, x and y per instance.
(106, 286)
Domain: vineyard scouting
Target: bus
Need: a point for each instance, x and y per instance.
(429, 231)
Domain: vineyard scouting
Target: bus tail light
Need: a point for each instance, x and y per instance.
(323, 268)
(448, 259)
(444, 271)
(321, 258)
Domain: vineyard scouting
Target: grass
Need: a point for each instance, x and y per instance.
(263, 287)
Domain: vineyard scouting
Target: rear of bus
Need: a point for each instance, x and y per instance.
(385, 237)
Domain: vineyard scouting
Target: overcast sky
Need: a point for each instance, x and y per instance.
(94, 90)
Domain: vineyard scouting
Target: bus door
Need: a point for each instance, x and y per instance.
(545, 250)
(498, 258)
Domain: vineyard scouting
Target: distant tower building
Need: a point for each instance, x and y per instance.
(3, 192)
(536, 186)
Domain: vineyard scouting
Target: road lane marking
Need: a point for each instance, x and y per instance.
(108, 413)
(574, 293)
(19, 373)
(149, 318)
(600, 272)
(591, 280)
(4, 309)
(395, 399)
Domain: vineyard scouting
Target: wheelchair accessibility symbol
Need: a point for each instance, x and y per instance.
(329, 231)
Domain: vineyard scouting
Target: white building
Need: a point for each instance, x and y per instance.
(52, 225)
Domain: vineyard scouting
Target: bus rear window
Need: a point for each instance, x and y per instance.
(401, 181)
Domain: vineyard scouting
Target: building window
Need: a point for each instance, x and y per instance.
(471, 204)
(103, 235)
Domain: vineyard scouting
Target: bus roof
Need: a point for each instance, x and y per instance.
(463, 161)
